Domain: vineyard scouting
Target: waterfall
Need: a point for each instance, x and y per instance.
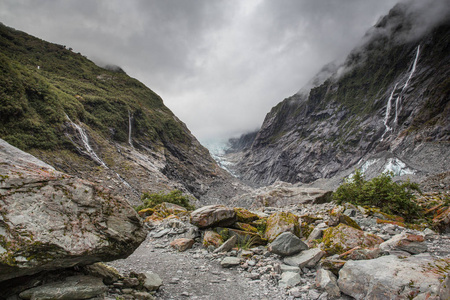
(413, 69)
(85, 140)
(399, 96)
(91, 153)
(130, 119)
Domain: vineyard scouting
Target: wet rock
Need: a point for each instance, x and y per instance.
(230, 261)
(289, 279)
(342, 238)
(307, 258)
(182, 244)
(327, 281)
(51, 220)
(410, 243)
(287, 244)
(389, 275)
(213, 215)
(75, 287)
(152, 281)
(280, 222)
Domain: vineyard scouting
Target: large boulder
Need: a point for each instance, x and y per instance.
(411, 243)
(280, 222)
(391, 277)
(213, 215)
(342, 238)
(287, 244)
(51, 220)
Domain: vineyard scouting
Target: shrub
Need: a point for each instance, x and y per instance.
(175, 197)
(382, 192)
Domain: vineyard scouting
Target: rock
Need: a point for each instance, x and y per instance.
(182, 244)
(230, 261)
(359, 253)
(342, 238)
(143, 296)
(146, 212)
(280, 222)
(249, 238)
(212, 238)
(333, 264)
(245, 227)
(386, 276)
(108, 273)
(410, 243)
(166, 209)
(340, 218)
(316, 233)
(74, 287)
(442, 221)
(227, 245)
(289, 279)
(213, 215)
(130, 282)
(444, 288)
(152, 281)
(288, 268)
(307, 258)
(327, 281)
(245, 216)
(287, 244)
(50, 220)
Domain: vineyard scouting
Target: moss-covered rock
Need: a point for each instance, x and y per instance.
(339, 239)
(212, 238)
(165, 209)
(245, 216)
(245, 227)
(280, 222)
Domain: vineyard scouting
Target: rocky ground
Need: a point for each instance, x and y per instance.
(259, 272)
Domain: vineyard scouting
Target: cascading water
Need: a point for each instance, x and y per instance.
(90, 152)
(399, 97)
(130, 119)
(85, 141)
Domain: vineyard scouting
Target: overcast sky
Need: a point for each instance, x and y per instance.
(218, 65)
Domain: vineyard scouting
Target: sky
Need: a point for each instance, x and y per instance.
(219, 65)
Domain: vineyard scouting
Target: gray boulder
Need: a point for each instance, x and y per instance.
(152, 281)
(410, 243)
(327, 281)
(289, 279)
(389, 276)
(287, 244)
(307, 258)
(75, 287)
(50, 220)
(230, 261)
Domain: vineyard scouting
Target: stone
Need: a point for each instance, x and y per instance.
(213, 215)
(307, 258)
(166, 209)
(182, 244)
(245, 227)
(280, 222)
(359, 253)
(108, 273)
(245, 237)
(245, 216)
(152, 281)
(341, 218)
(316, 233)
(288, 268)
(386, 276)
(444, 288)
(130, 282)
(411, 243)
(442, 221)
(74, 287)
(333, 264)
(289, 279)
(51, 220)
(143, 296)
(342, 238)
(212, 238)
(227, 245)
(327, 281)
(287, 244)
(230, 261)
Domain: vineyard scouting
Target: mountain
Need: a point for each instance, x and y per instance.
(98, 123)
(385, 108)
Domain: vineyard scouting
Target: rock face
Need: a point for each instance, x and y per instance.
(389, 275)
(374, 111)
(50, 220)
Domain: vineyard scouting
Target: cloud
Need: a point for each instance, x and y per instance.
(219, 65)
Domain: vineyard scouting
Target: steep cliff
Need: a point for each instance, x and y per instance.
(387, 105)
(98, 123)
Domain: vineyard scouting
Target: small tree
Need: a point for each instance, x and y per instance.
(382, 192)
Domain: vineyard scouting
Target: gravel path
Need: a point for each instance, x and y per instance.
(194, 274)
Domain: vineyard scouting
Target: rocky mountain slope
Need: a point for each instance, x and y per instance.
(99, 123)
(385, 108)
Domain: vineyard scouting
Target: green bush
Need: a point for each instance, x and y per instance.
(175, 197)
(382, 192)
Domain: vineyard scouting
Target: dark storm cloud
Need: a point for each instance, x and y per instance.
(219, 65)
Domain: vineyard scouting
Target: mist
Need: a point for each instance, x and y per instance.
(220, 66)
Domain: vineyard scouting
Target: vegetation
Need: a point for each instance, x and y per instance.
(382, 192)
(41, 82)
(175, 197)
